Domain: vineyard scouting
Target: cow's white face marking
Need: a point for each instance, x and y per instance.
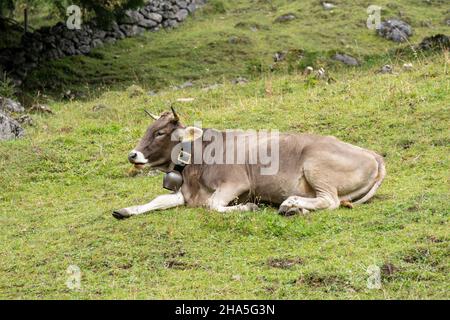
(137, 157)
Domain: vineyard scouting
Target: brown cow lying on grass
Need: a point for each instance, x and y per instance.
(307, 172)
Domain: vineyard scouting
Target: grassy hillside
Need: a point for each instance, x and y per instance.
(60, 184)
(239, 38)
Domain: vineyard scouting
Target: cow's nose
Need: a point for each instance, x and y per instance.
(132, 156)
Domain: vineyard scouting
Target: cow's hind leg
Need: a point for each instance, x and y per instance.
(295, 204)
(222, 197)
(165, 201)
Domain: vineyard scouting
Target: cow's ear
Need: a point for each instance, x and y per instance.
(187, 134)
(192, 133)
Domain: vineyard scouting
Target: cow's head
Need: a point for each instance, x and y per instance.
(161, 137)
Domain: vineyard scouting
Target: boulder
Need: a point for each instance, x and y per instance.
(9, 128)
(131, 17)
(346, 59)
(182, 4)
(387, 68)
(10, 105)
(395, 30)
(192, 7)
(84, 49)
(99, 34)
(129, 30)
(438, 41)
(286, 17)
(147, 23)
(154, 16)
(181, 15)
(328, 6)
(97, 43)
(67, 47)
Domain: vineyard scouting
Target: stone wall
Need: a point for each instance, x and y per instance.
(50, 43)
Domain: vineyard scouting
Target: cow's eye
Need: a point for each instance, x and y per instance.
(160, 133)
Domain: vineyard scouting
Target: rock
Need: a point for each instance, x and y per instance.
(99, 34)
(170, 23)
(129, 30)
(212, 87)
(408, 66)
(69, 95)
(84, 49)
(321, 74)
(279, 56)
(147, 23)
(99, 107)
(438, 41)
(192, 7)
(308, 70)
(109, 40)
(286, 18)
(346, 59)
(9, 128)
(239, 81)
(185, 99)
(386, 69)
(131, 17)
(182, 4)
(395, 30)
(154, 16)
(328, 5)
(187, 84)
(181, 15)
(9, 105)
(239, 40)
(67, 47)
(97, 43)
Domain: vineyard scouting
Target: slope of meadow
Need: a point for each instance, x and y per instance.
(60, 183)
(239, 38)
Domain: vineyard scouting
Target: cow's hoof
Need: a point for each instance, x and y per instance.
(291, 211)
(288, 211)
(121, 214)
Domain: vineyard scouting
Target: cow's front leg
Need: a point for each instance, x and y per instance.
(162, 202)
(222, 197)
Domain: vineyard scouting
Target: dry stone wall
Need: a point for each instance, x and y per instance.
(50, 43)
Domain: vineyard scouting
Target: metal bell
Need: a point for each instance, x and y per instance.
(172, 181)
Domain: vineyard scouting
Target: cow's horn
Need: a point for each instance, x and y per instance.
(151, 115)
(175, 115)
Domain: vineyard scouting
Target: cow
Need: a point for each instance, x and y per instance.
(314, 172)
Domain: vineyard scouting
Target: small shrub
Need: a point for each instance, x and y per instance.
(7, 87)
(215, 6)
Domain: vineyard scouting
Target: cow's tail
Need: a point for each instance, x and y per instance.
(378, 181)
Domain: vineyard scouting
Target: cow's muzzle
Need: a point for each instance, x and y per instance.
(137, 158)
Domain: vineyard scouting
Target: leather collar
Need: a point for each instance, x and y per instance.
(184, 157)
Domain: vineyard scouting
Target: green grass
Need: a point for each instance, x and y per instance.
(60, 183)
